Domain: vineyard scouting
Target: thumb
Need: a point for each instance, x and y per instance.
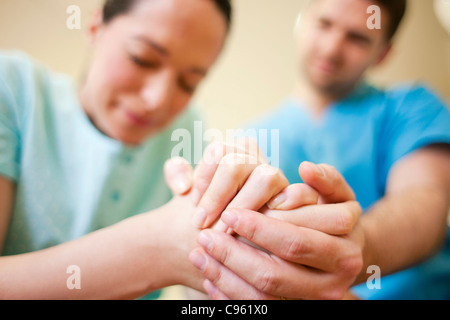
(327, 181)
(179, 175)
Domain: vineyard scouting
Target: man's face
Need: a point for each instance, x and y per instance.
(336, 46)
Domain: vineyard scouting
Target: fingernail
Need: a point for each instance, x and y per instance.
(181, 186)
(220, 226)
(316, 169)
(277, 201)
(199, 217)
(230, 219)
(205, 241)
(198, 260)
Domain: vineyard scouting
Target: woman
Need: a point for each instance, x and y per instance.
(75, 162)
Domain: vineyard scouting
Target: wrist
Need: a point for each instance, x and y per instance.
(176, 238)
(368, 255)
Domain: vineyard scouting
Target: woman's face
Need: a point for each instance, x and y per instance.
(147, 63)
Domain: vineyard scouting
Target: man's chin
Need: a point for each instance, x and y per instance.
(333, 89)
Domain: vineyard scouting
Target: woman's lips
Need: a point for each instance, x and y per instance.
(137, 120)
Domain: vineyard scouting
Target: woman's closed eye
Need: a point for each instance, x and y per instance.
(142, 62)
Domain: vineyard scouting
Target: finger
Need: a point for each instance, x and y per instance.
(293, 197)
(222, 283)
(251, 147)
(267, 273)
(327, 181)
(179, 175)
(205, 170)
(334, 219)
(295, 244)
(213, 292)
(230, 176)
(212, 157)
(261, 186)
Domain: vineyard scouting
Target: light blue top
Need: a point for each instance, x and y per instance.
(363, 136)
(71, 179)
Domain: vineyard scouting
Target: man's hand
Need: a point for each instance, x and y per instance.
(314, 252)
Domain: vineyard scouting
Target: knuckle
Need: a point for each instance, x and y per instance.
(270, 176)
(212, 155)
(233, 148)
(235, 158)
(220, 248)
(335, 293)
(304, 191)
(333, 174)
(356, 209)
(266, 281)
(330, 170)
(234, 164)
(351, 265)
(347, 217)
(214, 273)
(252, 232)
(249, 143)
(344, 221)
(225, 255)
(214, 152)
(249, 229)
(296, 248)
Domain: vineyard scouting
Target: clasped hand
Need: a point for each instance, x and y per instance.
(262, 238)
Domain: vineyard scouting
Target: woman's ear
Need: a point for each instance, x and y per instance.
(95, 26)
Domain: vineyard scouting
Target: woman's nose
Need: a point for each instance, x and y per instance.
(158, 91)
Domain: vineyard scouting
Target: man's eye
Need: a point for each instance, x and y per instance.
(360, 40)
(324, 24)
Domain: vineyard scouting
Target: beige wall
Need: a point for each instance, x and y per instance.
(257, 68)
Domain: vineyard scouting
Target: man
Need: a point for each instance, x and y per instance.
(391, 146)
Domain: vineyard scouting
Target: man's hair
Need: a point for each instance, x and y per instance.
(396, 10)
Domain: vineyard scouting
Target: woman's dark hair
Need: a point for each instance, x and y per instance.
(113, 8)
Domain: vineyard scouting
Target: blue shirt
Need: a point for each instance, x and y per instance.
(363, 136)
(71, 179)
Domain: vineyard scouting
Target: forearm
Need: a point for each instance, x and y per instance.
(404, 228)
(6, 202)
(124, 261)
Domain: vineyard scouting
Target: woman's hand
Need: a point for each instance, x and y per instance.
(228, 176)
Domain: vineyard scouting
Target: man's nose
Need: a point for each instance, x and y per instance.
(332, 46)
